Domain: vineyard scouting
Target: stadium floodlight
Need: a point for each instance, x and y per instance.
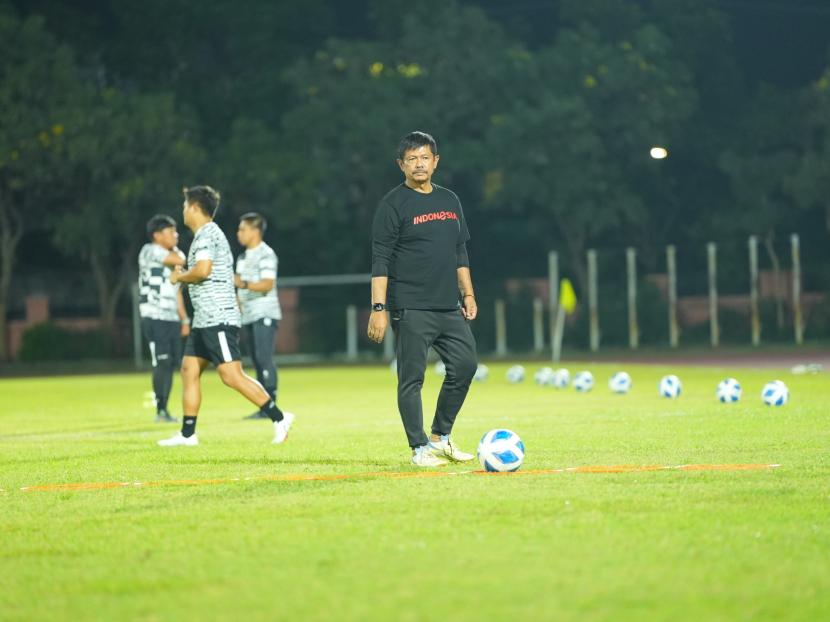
(659, 153)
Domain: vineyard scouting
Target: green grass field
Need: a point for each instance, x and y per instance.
(664, 545)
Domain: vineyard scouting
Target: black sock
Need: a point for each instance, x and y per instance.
(188, 426)
(270, 409)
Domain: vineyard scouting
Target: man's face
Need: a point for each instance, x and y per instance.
(188, 212)
(418, 165)
(246, 234)
(167, 238)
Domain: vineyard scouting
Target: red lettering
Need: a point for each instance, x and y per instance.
(417, 220)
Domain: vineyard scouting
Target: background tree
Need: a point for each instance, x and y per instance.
(38, 85)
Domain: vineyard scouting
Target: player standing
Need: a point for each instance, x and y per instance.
(214, 337)
(164, 320)
(256, 284)
(421, 275)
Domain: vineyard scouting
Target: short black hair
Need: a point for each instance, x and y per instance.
(157, 223)
(255, 220)
(205, 197)
(414, 140)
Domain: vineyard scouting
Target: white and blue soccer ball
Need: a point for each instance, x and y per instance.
(543, 376)
(584, 381)
(561, 378)
(729, 391)
(775, 393)
(670, 387)
(620, 382)
(515, 374)
(501, 451)
(440, 368)
(482, 373)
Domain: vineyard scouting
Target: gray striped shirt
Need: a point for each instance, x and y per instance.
(214, 299)
(158, 296)
(254, 265)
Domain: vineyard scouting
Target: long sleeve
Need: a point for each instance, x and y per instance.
(385, 230)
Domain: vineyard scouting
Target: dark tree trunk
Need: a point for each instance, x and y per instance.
(11, 230)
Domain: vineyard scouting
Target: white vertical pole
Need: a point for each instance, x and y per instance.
(538, 325)
(501, 328)
(755, 316)
(553, 297)
(798, 324)
(671, 268)
(633, 325)
(558, 333)
(592, 300)
(714, 328)
(351, 332)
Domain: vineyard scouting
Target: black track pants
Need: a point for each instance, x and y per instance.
(450, 335)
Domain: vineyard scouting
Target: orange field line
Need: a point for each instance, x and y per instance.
(310, 477)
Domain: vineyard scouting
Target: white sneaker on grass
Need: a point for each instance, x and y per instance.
(423, 457)
(179, 440)
(281, 428)
(445, 448)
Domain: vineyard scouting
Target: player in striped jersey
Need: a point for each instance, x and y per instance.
(164, 320)
(256, 285)
(214, 337)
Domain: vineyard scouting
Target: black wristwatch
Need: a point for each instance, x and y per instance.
(378, 306)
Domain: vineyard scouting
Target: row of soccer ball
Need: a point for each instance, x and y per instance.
(775, 393)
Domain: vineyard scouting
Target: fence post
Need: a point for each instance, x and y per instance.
(351, 332)
(755, 316)
(798, 324)
(137, 358)
(633, 325)
(538, 325)
(671, 268)
(501, 328)
(592, 300)
(712, 259)
(553, 297)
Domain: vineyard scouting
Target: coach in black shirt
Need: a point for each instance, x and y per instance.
(421, 277)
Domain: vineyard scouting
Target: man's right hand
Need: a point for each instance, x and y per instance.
(378, 322)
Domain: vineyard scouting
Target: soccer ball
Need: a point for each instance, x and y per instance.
(670, 386)
(544, 376)
(620, 382)
(729, 390)
(440, 368)
(482, 373)
(501, 451)
(516, 374)
(561, 378)
(584, 381)
(775, 393)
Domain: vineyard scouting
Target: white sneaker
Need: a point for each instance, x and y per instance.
(281, 428)
(445, 448)
(178, 439)
(423, 457)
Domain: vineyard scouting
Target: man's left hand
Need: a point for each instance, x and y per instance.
(469, 308)
(174, 276)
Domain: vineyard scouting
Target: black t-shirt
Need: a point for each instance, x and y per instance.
(419, 242)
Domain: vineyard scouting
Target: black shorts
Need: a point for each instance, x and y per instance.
(217, 344)
(164, 339)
